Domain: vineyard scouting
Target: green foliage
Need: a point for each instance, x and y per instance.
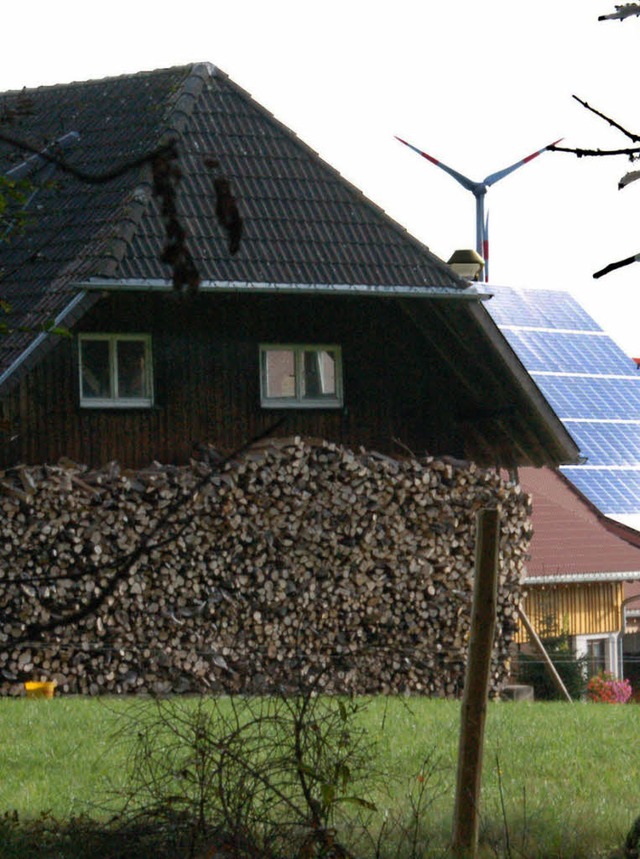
(14, 196)
(572, 669)
(261, 773)
(48, 327)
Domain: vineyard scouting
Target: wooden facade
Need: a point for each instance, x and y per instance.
(207, 385)
(574, 609)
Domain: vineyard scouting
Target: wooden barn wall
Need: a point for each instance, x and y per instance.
(579, 609)
(207, 389)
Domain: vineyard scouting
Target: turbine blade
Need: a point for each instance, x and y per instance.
(467, 183)
(495, 177)
(486, 238)
(485, 249)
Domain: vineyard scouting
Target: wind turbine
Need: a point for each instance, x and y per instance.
(479, 191)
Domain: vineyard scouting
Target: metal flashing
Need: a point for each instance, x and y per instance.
(576, 578)
(156, 285)
(37, 341)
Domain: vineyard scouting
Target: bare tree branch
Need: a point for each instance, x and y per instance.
(622, 12)
(628, 178)
(581, 153)
(615, 265)
(630, 134)
(631, 152)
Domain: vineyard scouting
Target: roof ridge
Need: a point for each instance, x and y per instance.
(180, 110)
(64, 85)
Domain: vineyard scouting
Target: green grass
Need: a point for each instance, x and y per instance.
(60, 755)
(569, 772)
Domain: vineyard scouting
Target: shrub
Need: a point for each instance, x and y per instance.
(571, 668)
(604, 688)
(255, 774)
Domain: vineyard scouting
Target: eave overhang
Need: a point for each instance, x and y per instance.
(471, 293)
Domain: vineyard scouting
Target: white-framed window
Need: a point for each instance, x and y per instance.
(300, 376)
(115, 370)
(601, 652)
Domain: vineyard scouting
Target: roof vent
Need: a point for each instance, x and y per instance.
(467, 263)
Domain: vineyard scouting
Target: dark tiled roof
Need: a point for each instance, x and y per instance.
(303, 222)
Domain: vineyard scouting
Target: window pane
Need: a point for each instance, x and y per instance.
(319, 374)
(596, 656)
(132, 369)
(279, 372)
(95, 369)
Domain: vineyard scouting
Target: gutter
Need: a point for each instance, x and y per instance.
(577, 578)
(239, 286)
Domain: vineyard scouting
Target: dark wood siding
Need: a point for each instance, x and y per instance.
(207, 388)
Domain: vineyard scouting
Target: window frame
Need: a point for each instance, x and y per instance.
(298, 401)
(114, 401)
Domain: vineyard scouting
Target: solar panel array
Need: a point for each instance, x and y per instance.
(593, 387)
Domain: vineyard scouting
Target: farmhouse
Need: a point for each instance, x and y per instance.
(181, 276)
(315, 314)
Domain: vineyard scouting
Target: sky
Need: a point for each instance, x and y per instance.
(478, 85)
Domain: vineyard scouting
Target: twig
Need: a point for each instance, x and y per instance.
(612, 122)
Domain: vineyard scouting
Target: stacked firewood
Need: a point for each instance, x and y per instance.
(297, 562)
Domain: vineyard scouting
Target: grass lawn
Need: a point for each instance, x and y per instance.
(568, 772)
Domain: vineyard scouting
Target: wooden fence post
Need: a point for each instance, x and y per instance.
(476, 685)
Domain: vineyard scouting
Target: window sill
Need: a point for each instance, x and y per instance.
(147, 405)
(301, 404)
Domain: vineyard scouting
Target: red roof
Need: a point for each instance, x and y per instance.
(571, 537)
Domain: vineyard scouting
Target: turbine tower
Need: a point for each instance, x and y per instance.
(479, 191)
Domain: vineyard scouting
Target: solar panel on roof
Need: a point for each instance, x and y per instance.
(615, 490)
(595, 397)
(590, 383)
(607, 443)
(574, 352)
(541, 308)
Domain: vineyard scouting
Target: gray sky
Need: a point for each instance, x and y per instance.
(478, 85)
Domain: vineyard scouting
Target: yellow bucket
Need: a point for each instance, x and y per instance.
(45, 689)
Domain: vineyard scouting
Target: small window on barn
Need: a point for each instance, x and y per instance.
(115, 370)
(300, 376)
